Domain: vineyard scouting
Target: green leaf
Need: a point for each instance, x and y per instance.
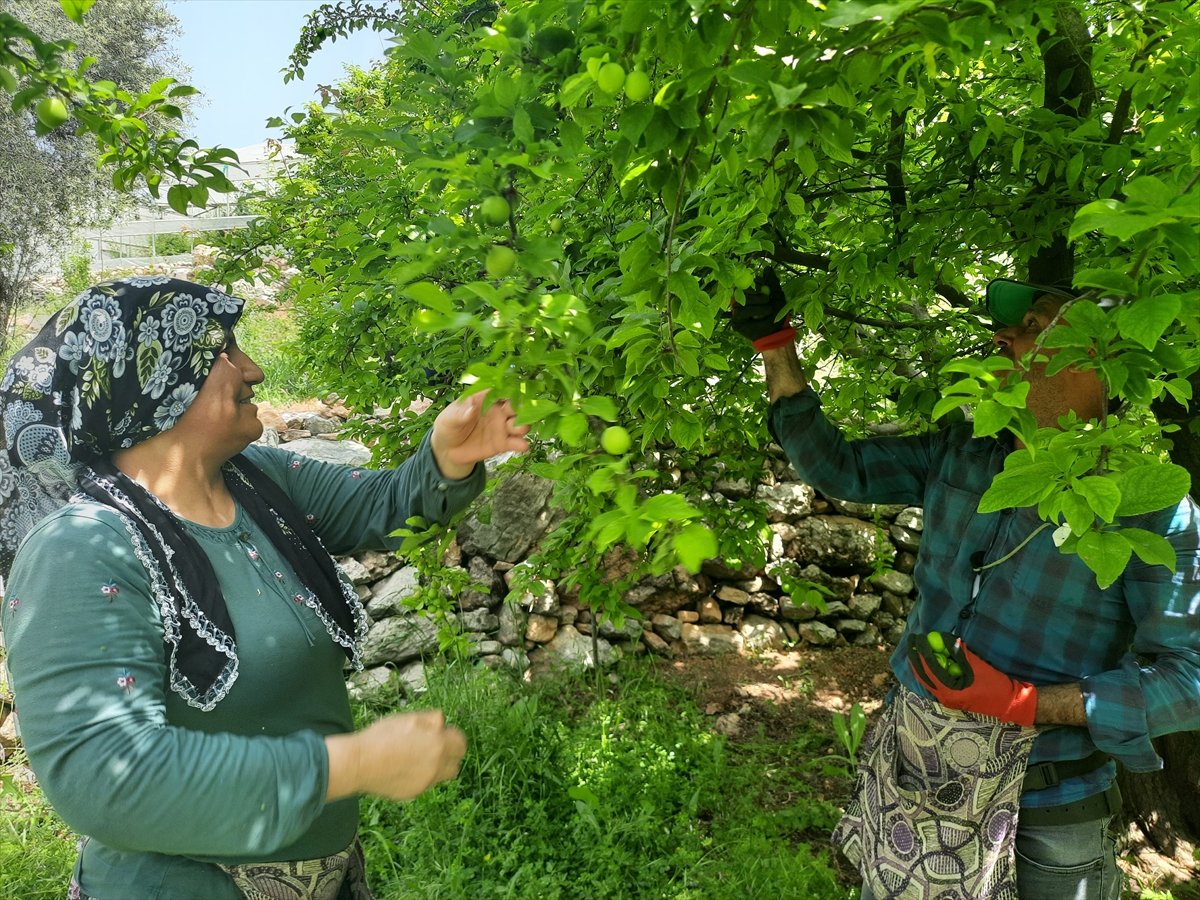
(842, 15)
(1022, 486)
(178, 198)
(1149, 191)
(76, 9)
(601, 481)
(786, 96)
(601, 407)
(429, 294)
(1013, 396)
(667, 508)
(1147, 318)
(1101, 494)
(1106, 280)
(990, 417)
(686, 429)
(1106, 553)
(693, 545)
(1152, 549)
(1078, 513)
(1148, 488)
(571, 429)
(945, 405)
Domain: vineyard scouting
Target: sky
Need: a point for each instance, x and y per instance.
(236, 49)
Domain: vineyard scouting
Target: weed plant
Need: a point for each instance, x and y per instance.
(37, 851)
(566, 793)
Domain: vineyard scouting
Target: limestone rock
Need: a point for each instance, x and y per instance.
(761, 633)
(668, 627)
(517, 515)
(787, 501)
(711, 640)
(840, 542)
(388, 596)
(399, 639)
(817, 633)
(344, 452)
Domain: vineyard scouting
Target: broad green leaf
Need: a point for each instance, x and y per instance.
(178, 198)
(599, 406)
(429, 294)
(1022, 486)
(945, 405)
(601, 481)
(1078, 513)
(1152, 549)
(1146, 319)
(667, 508)
(1086, 315)
(786, 96)
(1106, 553)
(1102, 495)
(686, 430)
(990, 417)
(571, 428)
(693, 545)
(853, 12)
(1108, 280)
(76, 9)
(1149, 191)
(1013, 396)
(1148, 488)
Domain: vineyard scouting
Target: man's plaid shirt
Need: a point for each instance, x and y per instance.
(1038, 616)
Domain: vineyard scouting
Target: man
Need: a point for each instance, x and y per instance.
(1098, 673)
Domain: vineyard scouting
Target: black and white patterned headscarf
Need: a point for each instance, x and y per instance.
(120, 364)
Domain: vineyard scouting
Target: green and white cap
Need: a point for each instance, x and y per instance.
(1009, 300)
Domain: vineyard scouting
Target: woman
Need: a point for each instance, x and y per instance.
(176, 630)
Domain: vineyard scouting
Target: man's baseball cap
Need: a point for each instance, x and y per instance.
(1009, 300)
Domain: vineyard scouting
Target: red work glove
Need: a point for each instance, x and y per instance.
(960, 679)
(762, 316)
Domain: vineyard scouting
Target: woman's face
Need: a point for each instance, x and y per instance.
(222, 415)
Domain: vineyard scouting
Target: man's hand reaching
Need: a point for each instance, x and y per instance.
(762, 316)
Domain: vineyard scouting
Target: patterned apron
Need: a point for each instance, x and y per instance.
(934, 812)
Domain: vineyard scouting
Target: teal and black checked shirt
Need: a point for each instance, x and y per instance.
(1038, 616)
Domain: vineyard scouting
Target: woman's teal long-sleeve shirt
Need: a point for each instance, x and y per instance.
(162, 789)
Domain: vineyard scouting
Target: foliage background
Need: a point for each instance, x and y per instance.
(888, 159)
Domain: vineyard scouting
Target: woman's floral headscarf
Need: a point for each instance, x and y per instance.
(116, 366)
(119, 364)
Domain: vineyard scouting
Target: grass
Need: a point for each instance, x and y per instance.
(37, 851)
(565, 793)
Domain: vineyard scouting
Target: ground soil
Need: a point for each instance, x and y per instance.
(778, 693)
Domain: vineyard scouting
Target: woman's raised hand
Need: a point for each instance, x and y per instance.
(465, 433)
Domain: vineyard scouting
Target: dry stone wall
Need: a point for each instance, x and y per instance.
(859, 557)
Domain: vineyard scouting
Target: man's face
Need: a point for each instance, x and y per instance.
(1054, 396)
(1014, 341)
